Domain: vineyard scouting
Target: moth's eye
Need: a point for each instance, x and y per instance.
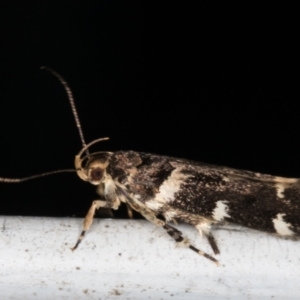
(96, 174)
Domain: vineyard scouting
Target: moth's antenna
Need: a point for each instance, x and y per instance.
(84, 149)
(16, 180)
(71, 100)
(79, 160)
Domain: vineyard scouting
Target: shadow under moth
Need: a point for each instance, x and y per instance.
(165, 189)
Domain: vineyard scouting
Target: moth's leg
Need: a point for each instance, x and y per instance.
(174, 233)
(139, 207)
(212, 241)
(88, 220)
(150, 216)
(204, 228)
(105, 189)
(129, 211)
(184, 242)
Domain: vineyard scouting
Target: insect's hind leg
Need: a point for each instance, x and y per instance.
(212, 241)
(184, 242)
(204, 228)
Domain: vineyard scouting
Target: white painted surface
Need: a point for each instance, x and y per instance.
(136, 260)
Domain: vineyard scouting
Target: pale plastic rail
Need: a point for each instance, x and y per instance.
(121, 259)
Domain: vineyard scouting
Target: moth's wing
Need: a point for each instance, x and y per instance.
(255, 200)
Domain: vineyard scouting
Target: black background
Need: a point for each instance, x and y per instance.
(213, 84)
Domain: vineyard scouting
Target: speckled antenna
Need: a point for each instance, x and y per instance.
(75, 114)
(17, 180)
(72, 102)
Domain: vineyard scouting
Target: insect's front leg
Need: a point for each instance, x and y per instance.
(106, 189)
(88, 220)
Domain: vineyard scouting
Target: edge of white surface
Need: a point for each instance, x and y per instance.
(130, 259)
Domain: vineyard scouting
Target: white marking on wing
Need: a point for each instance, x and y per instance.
(171, 186)
(280, 189)
(281, 226)
(220, 212)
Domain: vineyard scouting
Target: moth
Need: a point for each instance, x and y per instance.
(165, 189)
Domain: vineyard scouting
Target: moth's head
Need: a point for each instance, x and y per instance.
(92, 167)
